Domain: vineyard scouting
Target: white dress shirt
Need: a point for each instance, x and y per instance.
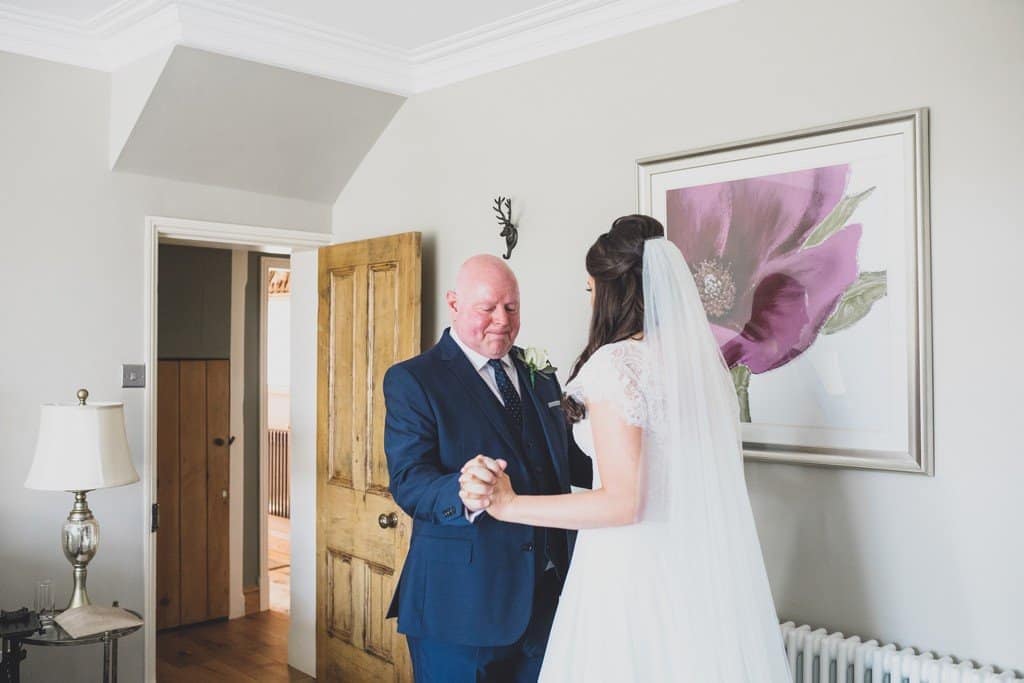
(480, 364)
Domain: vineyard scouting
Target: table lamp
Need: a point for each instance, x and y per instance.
(81, 448)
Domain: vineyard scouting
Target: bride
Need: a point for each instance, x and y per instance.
(667, 582)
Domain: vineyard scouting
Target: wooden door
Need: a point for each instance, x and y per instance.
(192, 484)
(369, 318)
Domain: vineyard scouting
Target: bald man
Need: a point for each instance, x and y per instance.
(477, 596)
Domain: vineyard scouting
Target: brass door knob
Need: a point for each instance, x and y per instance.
(388, 521)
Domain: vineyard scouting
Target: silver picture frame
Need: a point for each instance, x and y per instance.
(918, 455)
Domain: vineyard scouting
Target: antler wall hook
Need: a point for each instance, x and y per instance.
(503, 206)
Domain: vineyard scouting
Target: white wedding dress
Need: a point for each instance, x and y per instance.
(681, 595)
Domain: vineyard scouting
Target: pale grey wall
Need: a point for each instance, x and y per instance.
(216, 119)
(72, 313)
(194, 295)
(929, 562)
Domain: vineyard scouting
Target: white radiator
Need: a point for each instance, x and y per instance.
(822, 657)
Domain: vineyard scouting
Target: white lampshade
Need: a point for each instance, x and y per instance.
(81, 448)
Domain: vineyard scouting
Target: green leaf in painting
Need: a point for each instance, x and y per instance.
(836, 220)
(857, 301)
(741, 381)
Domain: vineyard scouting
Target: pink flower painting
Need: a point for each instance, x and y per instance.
(775, 262)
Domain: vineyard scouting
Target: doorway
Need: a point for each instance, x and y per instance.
(193, 435)
(239, 239)
(220, 310)
(367, 298)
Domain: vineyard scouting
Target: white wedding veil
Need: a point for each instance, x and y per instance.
(696, 493)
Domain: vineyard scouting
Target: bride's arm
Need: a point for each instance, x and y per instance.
(616, 503)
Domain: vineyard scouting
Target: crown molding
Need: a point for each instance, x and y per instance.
(552, 28)
(48, 37)
(131, 29)
(230, 28)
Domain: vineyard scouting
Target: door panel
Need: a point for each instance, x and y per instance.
(192, 407)
(218, 428)
(382, 354)
(369, 319)
(342, 438)
(168, 549)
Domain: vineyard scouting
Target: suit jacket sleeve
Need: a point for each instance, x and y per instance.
(420, 484)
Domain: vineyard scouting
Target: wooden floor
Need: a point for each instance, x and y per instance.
(279, 542)
(279, 560)
(280, 590)
(253, 648)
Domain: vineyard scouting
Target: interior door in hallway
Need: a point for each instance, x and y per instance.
(192, 491)
(368, 319)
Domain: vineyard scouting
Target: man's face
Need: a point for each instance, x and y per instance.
(485, 312)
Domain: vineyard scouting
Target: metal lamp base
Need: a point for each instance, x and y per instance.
(80, 538)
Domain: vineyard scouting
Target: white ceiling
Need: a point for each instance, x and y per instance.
(401, 46)
(406, 24)
(75, 10)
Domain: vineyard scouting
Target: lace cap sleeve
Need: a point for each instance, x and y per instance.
(615, 374)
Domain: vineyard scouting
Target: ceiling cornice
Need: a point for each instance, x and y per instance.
(131, 29)
(555, 27)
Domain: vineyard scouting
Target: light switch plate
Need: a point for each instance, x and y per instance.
(133, 376)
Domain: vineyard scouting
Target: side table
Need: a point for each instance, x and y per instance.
(52, 635)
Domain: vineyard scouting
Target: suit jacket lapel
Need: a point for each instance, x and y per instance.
(551, 434)
(476, 388)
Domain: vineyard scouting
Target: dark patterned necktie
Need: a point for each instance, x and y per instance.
(509, 396)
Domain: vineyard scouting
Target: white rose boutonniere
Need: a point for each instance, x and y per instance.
(536, 360)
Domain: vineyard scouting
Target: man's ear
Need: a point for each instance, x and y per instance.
(452, 300)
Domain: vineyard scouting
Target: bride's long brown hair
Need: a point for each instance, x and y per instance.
(615, 261)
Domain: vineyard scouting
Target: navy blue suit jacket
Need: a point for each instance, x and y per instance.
(464, 583)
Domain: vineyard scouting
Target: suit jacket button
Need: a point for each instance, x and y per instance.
(527, 547)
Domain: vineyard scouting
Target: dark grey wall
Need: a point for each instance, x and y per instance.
(251, 421)
(194, 317)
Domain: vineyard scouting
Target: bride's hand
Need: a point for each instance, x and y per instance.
(503, 495)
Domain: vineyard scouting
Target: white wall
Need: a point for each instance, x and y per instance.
(278, 361)
(278, 343)
(303, 302)
(72, 238)
(929, 562)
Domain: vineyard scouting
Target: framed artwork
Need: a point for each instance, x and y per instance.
(810, 251)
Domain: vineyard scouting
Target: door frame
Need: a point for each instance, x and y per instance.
(266, 263)
(196, 233)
